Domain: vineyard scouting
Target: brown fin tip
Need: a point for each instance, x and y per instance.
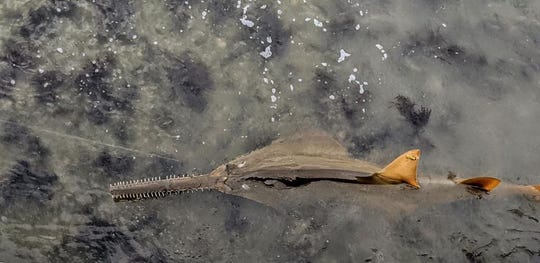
(483, 183)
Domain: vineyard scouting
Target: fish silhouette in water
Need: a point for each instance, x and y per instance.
(272, 174)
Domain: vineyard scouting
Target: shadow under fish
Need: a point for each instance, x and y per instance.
(315, 165)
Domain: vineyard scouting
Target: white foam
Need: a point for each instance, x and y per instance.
(266, 53)
(342, 55)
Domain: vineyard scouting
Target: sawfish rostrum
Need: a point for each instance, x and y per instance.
(296, 161)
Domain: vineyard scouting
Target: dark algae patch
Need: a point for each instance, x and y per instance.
(46, 86)
(97, 92)
(7, 80)
(101, 241)
(190, 81)
(114, 166)
(27, 184)
(19, 54)
(116, 19)
(418, 117)
(20, 140)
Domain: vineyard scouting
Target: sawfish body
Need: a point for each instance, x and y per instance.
(316, 166)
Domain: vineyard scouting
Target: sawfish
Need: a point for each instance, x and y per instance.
(314, 164)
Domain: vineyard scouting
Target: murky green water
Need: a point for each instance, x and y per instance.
(92, 92)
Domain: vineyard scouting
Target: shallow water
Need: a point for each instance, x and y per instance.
(93, 92)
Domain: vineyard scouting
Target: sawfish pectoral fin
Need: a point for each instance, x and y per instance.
(400, 170)
(483, 183)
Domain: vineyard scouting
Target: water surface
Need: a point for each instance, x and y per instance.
(92, 92)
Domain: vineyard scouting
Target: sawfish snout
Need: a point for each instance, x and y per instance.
(158, 187)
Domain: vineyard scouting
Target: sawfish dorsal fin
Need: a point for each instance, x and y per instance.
(402, 169)
(483, 183)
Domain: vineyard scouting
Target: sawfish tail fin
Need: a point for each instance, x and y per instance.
(402, 169)
(483, 183)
